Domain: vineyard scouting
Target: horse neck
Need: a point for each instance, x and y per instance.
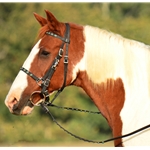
(109, 99)
(118, 91)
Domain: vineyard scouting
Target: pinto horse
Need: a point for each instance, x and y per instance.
(112, 70)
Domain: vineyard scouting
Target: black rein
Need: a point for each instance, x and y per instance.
(83, 139)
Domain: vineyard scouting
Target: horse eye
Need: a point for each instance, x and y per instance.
(45, 53)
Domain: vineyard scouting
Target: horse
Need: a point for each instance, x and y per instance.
(113, 70)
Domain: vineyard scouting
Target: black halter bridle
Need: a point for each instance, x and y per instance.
(44, 82)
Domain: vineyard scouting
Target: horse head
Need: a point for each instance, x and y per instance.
(43, 71)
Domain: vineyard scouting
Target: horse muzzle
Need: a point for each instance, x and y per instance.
(21, 107)
(25, 109)
(24, 106)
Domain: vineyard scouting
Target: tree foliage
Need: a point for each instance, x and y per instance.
(18, 35)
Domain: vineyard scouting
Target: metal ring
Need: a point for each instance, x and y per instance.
(34, 98)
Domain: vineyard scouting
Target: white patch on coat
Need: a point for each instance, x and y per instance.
(20, 82)
(111, 56)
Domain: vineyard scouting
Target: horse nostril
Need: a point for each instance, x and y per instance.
(15, 106)
(12, 103)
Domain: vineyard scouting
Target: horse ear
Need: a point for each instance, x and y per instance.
(52, 21)
(40, 19)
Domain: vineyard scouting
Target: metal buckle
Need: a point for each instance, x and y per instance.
(55, 64)
(67, 41)
(65, 59)
(46, 82)
(60, 52)
(39, 81)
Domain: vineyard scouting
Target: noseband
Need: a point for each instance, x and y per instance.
(44, 82)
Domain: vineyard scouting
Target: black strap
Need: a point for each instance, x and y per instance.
(91, 141)
(30, 74)
(50, 72)
(66, 56)
(74, 109)
(65, 40)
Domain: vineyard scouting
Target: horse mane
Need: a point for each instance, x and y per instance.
(115, 57)
(42, 31)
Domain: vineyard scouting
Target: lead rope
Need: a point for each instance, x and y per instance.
(83, 139)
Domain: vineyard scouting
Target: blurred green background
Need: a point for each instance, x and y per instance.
(18, 32)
